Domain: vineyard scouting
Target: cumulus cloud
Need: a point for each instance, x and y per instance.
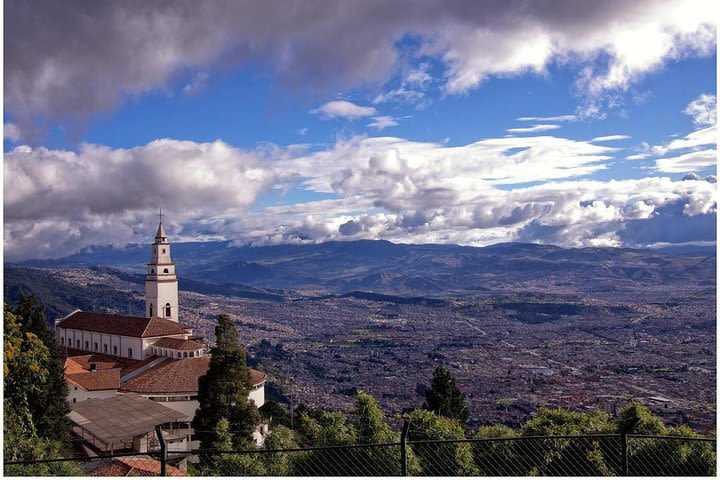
(535, 128)
(11, 132)
(343, 109)
(610, 138)
(382, 122)
(59, 201)
(703, 110)
(76, 196)
(130, 48)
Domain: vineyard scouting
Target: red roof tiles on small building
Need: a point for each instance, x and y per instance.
(98, 380)
(176, 376)
(178, 344)
(138, 327)
(102, 361)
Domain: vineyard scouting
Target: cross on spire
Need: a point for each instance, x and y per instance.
(161, 215)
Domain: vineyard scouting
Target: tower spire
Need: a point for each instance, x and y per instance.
(161, 286)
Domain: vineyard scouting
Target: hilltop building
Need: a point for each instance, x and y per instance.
(155, 356)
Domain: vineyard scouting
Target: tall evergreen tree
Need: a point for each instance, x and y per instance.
(49, 406)
(445, 398)
(223, 390)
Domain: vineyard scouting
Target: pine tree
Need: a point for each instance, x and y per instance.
(49, 406)
(223, 390)
(445, 398)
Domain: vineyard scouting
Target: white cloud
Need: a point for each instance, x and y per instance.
(392, 188)
(11, 132)
(703, 110)
(638, 156)
(198, 83)
(382, 122)
(559, 118)
(688, 162)
(145, 49)
(343, 109)
(75, 195)
(303, 131)
(693, 141)
(609, 138)
(535, 128)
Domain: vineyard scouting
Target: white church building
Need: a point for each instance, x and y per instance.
(154, 356)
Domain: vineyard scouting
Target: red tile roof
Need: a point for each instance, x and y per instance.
(176, 376)
(98, 380)
(179, 344)
(132, 466)
(138, 327)
(146, 466)
(102, 361)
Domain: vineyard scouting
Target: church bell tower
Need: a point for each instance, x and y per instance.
(161, 285)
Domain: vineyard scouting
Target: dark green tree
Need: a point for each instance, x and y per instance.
(440, 459)
(499, 458)
(279, 464)
(445, 398)
(25, 375)
(223, 390)
(372, 428)
(49, 406)
(576, 456)
(231, 464)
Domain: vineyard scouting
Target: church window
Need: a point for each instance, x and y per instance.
(184, 354)
(87, 345)
(163, 250)
(192, 354)
(152, 271)
(96, 347)
(74, 400)
(77, 343)
(167, 310)
(105, 348)
(150, 310)
(114, 349)
(62, 341)
(166, 271)
(130, 353)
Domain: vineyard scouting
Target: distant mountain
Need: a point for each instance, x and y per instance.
(407, 270)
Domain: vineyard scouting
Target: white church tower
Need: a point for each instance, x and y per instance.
(161, 285)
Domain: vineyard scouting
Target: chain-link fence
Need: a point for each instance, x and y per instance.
(579, 455)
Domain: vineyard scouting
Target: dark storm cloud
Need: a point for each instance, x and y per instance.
(65, 61)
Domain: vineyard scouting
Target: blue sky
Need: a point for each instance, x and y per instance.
(337, 121)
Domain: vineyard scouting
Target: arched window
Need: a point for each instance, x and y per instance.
(167, 310)
(77, 343)
(184, 354)
(192, 354)
(62, 341)
(152, 270)
(150, 310)
(163, 250)
(130, 353)
(166, 271)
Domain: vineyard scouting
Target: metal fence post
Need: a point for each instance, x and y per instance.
(403, 448)
(624, 430)
(163, 451)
